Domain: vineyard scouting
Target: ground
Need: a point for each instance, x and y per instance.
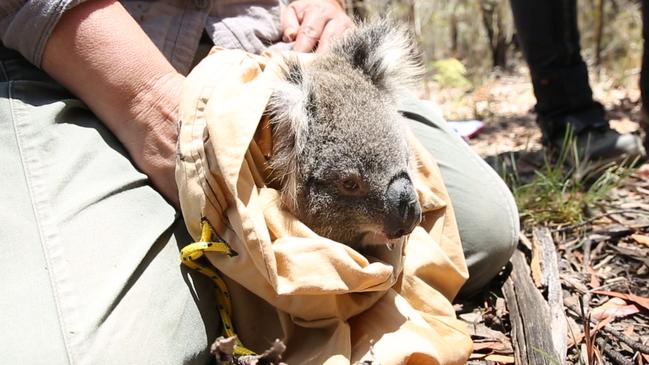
(566, 272)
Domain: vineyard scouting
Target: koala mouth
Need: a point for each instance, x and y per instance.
(378, 238)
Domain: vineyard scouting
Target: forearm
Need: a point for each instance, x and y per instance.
(102, 55)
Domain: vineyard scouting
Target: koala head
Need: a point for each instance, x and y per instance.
(340, 151)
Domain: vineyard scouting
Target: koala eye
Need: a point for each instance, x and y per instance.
(352, 185)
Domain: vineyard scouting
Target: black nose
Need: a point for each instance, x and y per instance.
(403, 210)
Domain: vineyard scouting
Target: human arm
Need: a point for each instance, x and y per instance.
(101, 54)
(312, 23)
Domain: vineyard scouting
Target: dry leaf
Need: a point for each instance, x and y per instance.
(628, 331)
(501, 307)
(640, 238)
(584, 354)
(496, 346)
(525, 241)
(594, 280)
(598, 355)
(614, 308)
(601, 324)
(575, 334)
(480, 330)
(535, 265)
(503, 359)
(473, 317)
(642, 301)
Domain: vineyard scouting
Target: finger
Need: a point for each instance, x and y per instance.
(333, 30)
(310, 31)
(290, 24)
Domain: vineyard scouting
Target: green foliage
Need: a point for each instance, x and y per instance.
(564, 188)
(621, 38)
(450, 72)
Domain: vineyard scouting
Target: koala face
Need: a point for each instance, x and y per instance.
(340, 151)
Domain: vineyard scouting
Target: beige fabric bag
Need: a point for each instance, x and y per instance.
(324, 299)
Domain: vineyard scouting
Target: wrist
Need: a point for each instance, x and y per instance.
(154, 128)
(155, 104)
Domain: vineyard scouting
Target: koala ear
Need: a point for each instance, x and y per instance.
(383, 51)
(288, 112)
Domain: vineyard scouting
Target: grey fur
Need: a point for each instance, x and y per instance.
(336, 125)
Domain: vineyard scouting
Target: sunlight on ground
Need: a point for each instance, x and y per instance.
(505, 102)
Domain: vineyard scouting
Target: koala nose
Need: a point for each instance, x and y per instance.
(403, 208)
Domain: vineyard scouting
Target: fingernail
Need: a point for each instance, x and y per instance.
(289, 35)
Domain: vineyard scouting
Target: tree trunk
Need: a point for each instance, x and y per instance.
(599, 31)
(492, 19)
(454, 29)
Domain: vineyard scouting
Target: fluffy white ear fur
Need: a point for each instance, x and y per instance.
(288, 110)
(385, 52)
(396, 56)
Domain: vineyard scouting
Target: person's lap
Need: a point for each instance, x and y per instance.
(484, 207)
(90, 260)
(90, 251)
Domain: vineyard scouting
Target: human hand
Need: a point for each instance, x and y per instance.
(312, 23)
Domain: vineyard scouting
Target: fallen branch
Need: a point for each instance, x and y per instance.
(617, 357)
(529, 315)
(546, 255)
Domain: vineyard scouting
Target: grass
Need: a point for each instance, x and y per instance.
(565, 188)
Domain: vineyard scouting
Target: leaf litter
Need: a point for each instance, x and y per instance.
(602, 257)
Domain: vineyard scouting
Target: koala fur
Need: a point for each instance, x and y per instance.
(340, 152)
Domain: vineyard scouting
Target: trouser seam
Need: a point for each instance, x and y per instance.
(43, 236)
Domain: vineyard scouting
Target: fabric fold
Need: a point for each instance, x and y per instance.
(325, 300)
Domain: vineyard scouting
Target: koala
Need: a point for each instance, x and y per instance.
(340, 153)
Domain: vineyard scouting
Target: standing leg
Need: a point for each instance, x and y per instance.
(644, 74)
(548, 34)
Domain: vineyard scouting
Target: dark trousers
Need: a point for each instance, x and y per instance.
(644, 75)
(549, 37)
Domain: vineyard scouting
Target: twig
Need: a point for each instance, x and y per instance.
(586, 250)
(525, 241)
(609, 283)
(585, 316)
(603, 262)
(635, 345)
(594, 218)
(617, 357)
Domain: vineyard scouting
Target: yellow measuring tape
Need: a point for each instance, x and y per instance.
(189, 256)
